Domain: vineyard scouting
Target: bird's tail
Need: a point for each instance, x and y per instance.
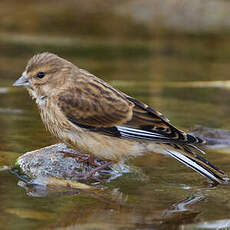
(188, 155)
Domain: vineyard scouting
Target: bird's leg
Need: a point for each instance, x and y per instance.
(78, 156)
(92, 161)
(90, 173)
(82, 157)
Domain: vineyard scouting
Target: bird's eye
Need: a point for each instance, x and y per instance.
(41, 75)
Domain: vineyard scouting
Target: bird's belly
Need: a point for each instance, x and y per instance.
(107, 147)
(103, 147)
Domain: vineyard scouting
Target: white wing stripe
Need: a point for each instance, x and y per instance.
(122, 128)
(192, 164)
(139, 133)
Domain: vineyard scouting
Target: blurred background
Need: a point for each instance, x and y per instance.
(172, 54)
(193, 35)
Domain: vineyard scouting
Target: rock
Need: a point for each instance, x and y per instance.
(179, 15)
(215, 138)
(58, 170)
(62, 162)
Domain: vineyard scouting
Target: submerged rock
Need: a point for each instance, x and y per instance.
(215, 138)
(62, 162)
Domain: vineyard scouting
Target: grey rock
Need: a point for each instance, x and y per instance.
(215, 138)
(61, 162)
(181, 15)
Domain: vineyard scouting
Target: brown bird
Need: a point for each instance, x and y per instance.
(92, 117)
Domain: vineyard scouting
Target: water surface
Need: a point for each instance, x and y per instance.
(178, 78)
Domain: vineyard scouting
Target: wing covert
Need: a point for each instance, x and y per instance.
(95, 104)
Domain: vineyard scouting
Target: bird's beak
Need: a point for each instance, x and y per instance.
(22, 82)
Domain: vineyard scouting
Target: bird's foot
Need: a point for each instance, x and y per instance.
(91, 173)
(91, 160)
(82, 157)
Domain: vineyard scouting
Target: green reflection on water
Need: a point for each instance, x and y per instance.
(145, 71)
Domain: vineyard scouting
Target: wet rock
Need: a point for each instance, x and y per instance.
(62, 162)
(215, 138)
(57, 170)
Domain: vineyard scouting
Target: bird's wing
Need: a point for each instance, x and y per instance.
(94, 104)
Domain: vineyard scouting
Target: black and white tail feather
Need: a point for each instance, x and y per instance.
(186, 153)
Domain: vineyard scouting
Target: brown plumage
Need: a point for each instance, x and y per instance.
(91, 116)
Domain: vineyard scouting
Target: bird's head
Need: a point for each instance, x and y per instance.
(45, 73)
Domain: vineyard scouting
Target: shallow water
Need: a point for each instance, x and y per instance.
(178, 78)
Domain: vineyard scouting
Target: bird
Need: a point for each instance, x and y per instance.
(92, 117)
